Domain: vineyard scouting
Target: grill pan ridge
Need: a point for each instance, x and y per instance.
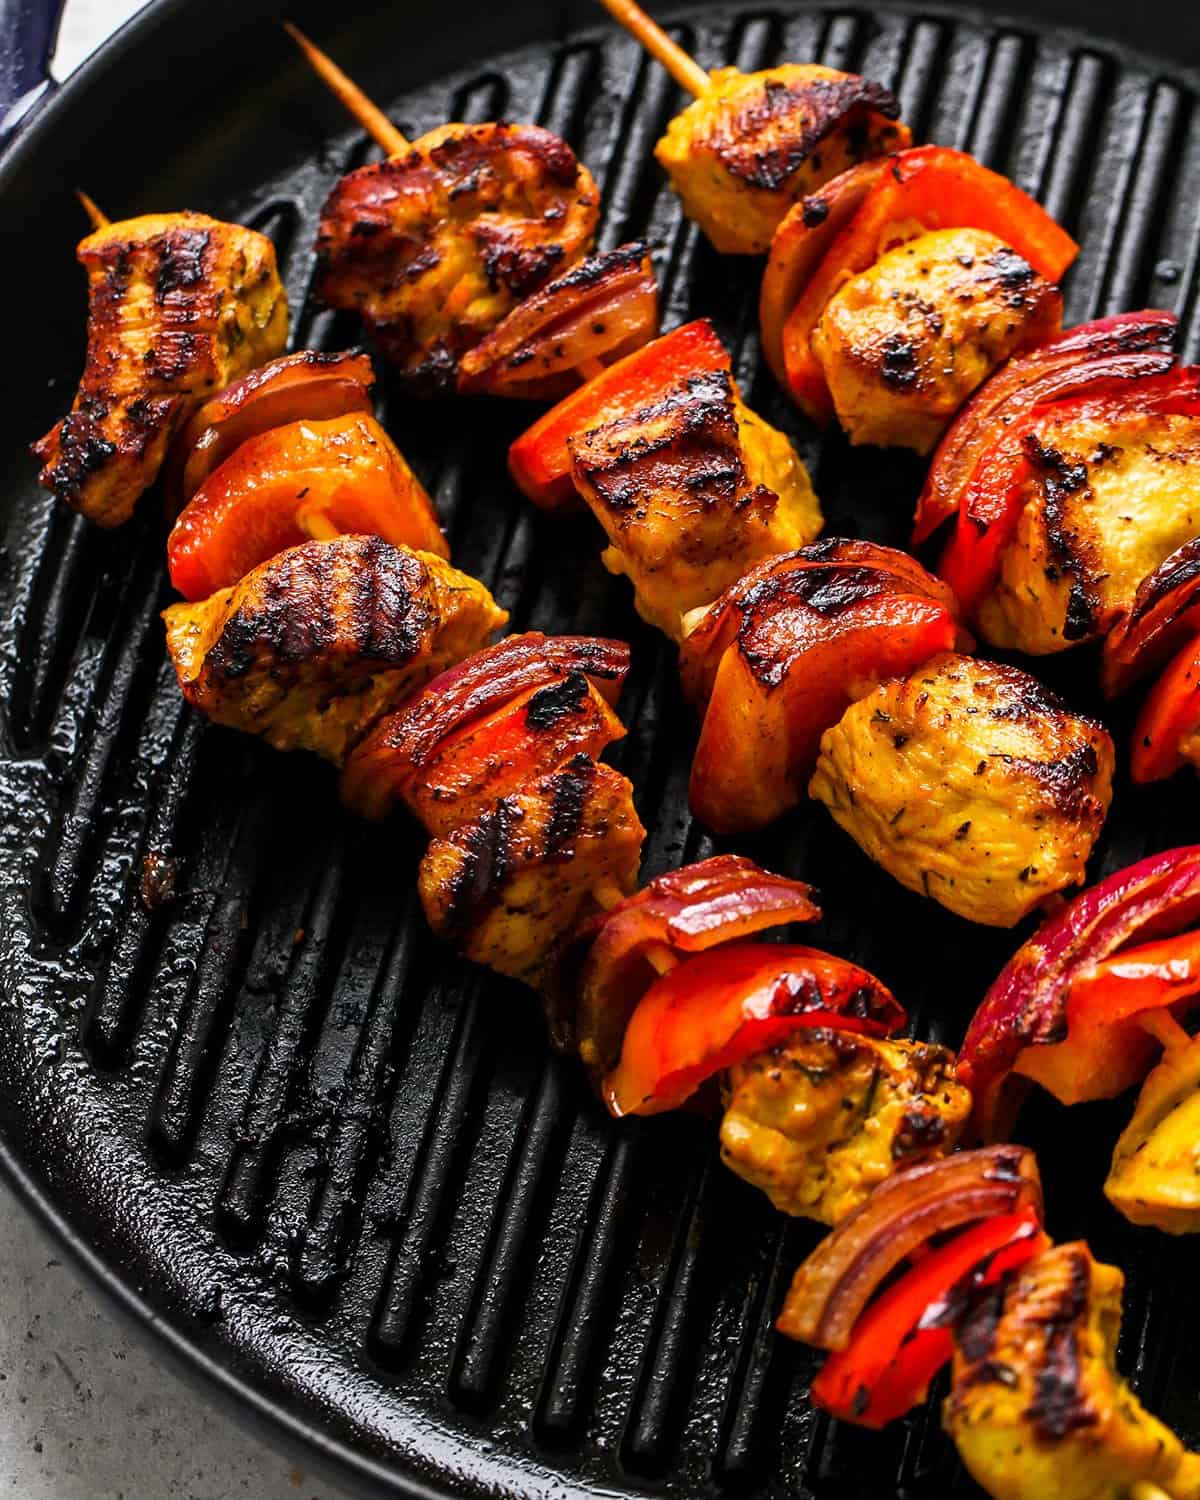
(338, 1170)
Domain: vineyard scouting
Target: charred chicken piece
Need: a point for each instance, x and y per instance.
(905, 343)
(1109, 499)
(970, 782)
(432, 248)
(817, 1121)
(503, 717)
(1036, 1405)
(508, 888)
(551, 343)
(1155, 1173)
(310, 648)
(179, 305)
(753, 144)
(692, 491)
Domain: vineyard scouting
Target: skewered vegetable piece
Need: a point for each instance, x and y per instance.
(478, 732)
(753, 143)
(826, 242)
(1155, 1173)
(1164, 615)
(563, 335)
(179, 305)
(725, 1005)
(1036, 1405)
(617, 956)
(307, 479)
(781, 655)
(971, 783)
(692, 490)
(1108, 493)
(1065, 1009)
(1167, 733)
(508, 888)
(434, 247)
(820, 1118)
(310, 648)
(540, 460)
(903, 344)
(304, 386)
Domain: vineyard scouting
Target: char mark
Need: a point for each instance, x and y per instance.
(486, 850)
(558, 701)
(568, 799)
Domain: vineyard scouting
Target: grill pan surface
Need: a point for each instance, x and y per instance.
(335, 1170)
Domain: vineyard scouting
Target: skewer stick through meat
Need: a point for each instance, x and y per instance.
(684, 69)
(99, 219)
(369, 115)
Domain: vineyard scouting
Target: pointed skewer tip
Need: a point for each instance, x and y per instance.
(685, 70)
(99, 219)
(347, 92)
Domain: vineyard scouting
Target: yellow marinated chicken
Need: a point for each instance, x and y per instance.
(508, 888)
(905, 343)
(970, 782)
(753, 144)
(691, 492)
(1155, 1173)
(1110, 499)
(179, 305)
(1036, 1406)
(310, 648)
(817, 1121)
(433, 247)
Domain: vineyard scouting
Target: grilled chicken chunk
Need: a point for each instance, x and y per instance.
(753, 144)
(1108, 502)
(432, 248)
(1036, 1405)
(179, 305)
(313, 646)
(508, 888)
(1155, 1173)
(691, 492)
(819, 1120)
(904, 344)
(970, 782)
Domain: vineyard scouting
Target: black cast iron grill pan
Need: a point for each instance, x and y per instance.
(335, 1170)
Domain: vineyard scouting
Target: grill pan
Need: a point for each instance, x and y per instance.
(334, 1170)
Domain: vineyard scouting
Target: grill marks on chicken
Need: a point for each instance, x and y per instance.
(179, 305)
(754, 143)
(691, 491)
(971, 783)
(432, 248)
(905, 343)
(1107, 502)
(1036, 1404)
(509, 887)
(310, 648)
(818, 1121)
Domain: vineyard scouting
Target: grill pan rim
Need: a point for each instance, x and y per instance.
(268, 1415)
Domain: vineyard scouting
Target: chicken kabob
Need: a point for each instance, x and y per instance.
(751, 145)
(179, 305)
(466, 254)
(965, 779)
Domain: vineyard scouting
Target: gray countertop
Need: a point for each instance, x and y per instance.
(86, 1413)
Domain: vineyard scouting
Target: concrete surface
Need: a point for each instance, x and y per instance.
(86, 1413)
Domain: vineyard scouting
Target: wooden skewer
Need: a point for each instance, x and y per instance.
(99, 218)
(685, 70)
(609, 894)
(1163, 1025)
(369, 116)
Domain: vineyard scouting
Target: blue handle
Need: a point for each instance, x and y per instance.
(28, 29)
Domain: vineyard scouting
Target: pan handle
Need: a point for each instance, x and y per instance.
(28, 31)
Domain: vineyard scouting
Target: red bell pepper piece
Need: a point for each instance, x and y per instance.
(1169, 716)
(1055, 985)
(906, 1335)
(926, 188)
(713, 1010)
(994, 498)
(1125, 347)
(1165, 614)
(539, 461)
(304, 481)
